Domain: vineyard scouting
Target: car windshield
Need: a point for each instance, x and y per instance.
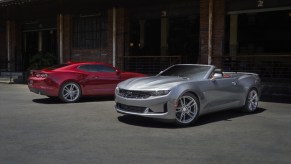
(188, 71)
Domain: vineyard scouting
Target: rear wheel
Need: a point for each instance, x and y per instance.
(187, 110)
(70, 92)
(252, 101)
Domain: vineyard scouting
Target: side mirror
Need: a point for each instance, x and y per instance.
(216, 76)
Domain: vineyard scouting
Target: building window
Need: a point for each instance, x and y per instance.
(90, 31)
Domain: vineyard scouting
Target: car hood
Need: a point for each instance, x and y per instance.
(152, 83)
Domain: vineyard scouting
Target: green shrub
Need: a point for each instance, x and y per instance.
(42, 60)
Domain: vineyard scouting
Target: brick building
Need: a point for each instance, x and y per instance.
(147, 36)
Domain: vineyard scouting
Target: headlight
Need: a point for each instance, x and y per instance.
(117, 90)
(160, 93)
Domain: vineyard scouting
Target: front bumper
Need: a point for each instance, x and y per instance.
(161, 107)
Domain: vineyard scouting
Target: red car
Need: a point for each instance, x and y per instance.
(71, 81)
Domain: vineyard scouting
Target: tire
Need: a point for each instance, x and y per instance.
(252, 101)
(187, 110)
(70, 92)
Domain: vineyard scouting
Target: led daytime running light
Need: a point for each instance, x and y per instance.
(160, 92)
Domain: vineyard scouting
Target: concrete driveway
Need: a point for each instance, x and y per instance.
(38, 130)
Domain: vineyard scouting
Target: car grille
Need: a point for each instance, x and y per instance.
(134, 109)
(134, 94)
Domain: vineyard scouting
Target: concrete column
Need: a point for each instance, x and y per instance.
(8, 28)
(210, 31)
(233, 35)
(61, 26)
(114, 37)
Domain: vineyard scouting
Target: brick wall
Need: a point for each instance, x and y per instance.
(67, 22)
(204, 5)
(218, 31)
(122, 38)
(3, 47)
(15, 36)
(100, 55)
(15, 46)
(73, 54)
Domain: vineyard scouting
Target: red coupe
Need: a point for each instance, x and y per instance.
(71, 81)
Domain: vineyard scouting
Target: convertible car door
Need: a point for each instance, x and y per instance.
(222, 93)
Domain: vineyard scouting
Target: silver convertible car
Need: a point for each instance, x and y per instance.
(183, 92)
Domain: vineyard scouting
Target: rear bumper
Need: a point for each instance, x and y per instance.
(42, 88)
(38, 91)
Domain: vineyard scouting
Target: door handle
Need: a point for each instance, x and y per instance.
(234, 83)
(96, 77)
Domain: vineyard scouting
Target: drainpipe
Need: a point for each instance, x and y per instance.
(61, 38)
(8, 46)
(114, 38)
(210, 35)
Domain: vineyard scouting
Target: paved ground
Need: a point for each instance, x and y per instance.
(38, 130)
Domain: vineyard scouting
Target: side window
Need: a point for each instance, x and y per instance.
(107, 69)
(87, 68)
(96, 68)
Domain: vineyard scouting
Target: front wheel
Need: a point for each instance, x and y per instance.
(187, 110)
(70, 92)
(252, 101)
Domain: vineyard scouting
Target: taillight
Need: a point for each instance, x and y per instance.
(41, 75)
(38, 74)
(32, 73)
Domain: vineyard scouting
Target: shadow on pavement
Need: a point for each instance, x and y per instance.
(276, 99)
(145, 122)
(206, 119)
(224, 116)
(56, 100)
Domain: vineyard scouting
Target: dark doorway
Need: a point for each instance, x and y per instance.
(184, 38)
(149, 35)
(49, 40)
(32, 41)
(266, 32)
(30, 47)
(262, 45)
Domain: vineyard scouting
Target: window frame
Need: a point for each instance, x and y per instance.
(90, 31)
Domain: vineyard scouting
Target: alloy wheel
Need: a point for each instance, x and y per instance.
(253, 100)
(70, 92)
(187, 109)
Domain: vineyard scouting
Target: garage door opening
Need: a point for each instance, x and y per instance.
(260, 42)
